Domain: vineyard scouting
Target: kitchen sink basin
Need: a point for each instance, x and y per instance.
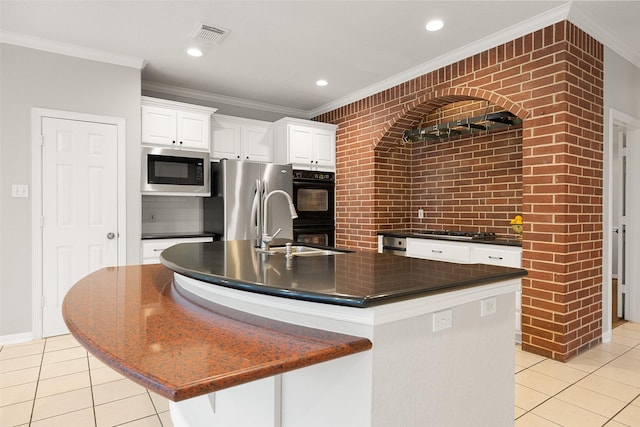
(299, 250)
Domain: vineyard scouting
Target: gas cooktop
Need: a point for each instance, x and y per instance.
(458, 235)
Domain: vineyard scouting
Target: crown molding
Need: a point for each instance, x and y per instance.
(520, 29)
(588, 25)
(222, 99)
(17, 39)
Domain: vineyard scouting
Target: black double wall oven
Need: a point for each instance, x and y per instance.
(314, 199)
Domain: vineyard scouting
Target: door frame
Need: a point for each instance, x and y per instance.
(37, 114)
(616, 118)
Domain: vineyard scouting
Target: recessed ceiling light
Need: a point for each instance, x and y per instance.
(194, 51)
(322, 82)
(434, 25)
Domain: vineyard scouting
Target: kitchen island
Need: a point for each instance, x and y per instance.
(238, 337)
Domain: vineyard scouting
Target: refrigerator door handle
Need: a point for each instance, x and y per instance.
(255, 206)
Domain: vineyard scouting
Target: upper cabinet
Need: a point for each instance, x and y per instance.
(305, 144)
(238, 138)
(176, 124)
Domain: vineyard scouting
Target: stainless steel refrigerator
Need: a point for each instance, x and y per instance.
(234, 209)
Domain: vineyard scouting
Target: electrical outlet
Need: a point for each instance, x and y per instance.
(488, 306)
(420, 213)
(19, 190)
(152, 217)
(442, 320)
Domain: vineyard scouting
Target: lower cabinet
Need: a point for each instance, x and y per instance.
(151, 248)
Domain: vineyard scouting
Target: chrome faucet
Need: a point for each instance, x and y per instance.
(266, 238)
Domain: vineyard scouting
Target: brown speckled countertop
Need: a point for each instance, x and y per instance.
(134, 320)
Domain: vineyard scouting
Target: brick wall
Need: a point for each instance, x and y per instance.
(552, 79)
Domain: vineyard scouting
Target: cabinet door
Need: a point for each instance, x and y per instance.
(158, 125)
(193, 130)
(257, 143)
(226, 141)
(325, 148)
(300, 145)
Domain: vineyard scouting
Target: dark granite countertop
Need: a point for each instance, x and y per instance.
(135, 320)
(357, 279)
(501, 240)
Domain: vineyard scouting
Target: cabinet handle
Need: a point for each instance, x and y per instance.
(158, 250)
(247, 157)
(180, 142)
(238, 156)
(436, 252)
(494, 257)
(173, 142)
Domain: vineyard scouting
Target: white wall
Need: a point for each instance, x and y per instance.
(32, 78)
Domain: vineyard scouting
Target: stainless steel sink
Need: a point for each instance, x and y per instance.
(298, 250)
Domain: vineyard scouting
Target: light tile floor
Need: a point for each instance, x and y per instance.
(55, 382)
(600, 387)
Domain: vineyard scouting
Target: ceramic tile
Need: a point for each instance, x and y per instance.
(600, 355)
(21, 350)
(609, 387)
(636, 402)
(633, 353)
(59, 404)
(568, 415)
(83, 418)
(626, 340)
(532, 420)
(152, 421)
(116, 390)
(620, 374)
(614, 424)
(17, 393)
(161, 403)
(124, 410)
(63, 355)
(104, 375)
(23, 376)
(629, 416)
(584, 364)
(527, 359)
(63, 368)
(613, 348)
(13, 415)
(95, 363)
(20, 363)
(62, 342)
(592, 401)
(519, 412)
(165, 417)
(63, 384)
(541, 382)
(527, 398)
(559, 371)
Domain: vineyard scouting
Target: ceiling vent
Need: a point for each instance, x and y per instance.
(209, 34)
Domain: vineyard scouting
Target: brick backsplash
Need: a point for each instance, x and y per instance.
(550, 171)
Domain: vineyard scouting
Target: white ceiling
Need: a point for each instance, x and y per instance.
(276, 50)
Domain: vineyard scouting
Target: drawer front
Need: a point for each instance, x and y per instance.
(502, 257)
(151, 249)
(438, 251)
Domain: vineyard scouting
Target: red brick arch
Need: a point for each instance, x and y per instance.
(413, 112)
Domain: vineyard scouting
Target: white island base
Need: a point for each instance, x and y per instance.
(440, 360)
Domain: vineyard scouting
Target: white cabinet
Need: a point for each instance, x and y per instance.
(439, 250)
(238, 138)
(151, 248)
(305, 144)
(175, 124)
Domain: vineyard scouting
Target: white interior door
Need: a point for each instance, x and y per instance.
(631, 220)
(79, 208)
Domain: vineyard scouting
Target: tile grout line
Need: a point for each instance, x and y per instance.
(35, 393)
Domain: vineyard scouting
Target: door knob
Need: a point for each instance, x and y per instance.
(111, 236)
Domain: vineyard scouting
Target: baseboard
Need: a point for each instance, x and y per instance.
(606, 336)
(16, 338)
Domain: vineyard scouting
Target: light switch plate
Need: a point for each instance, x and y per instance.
(20, 190)
(442, 320)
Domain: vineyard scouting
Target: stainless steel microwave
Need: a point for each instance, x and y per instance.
(172, 172)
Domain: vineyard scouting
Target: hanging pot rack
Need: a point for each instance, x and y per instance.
(486, 122)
